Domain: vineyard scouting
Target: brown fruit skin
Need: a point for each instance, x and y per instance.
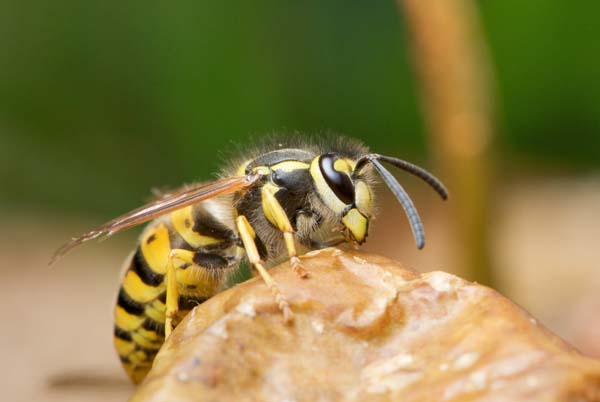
(366, 329)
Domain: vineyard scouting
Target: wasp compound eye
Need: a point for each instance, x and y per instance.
(339, 182)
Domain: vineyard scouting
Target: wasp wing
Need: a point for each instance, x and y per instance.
(169, 202)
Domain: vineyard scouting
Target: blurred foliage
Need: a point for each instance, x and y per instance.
(547, 60)
(100, 101)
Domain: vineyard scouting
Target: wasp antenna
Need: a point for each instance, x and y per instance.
(421, 173)
(405, 201)
(411, 168)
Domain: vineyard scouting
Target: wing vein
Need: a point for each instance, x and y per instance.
(187, 196)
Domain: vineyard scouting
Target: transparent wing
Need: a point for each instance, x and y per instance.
(181, 198)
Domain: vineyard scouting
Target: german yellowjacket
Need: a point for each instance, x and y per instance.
(314, 194)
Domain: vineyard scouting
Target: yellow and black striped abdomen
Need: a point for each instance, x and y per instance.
(140, 311)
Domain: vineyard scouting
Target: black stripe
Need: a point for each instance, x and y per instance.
(122, 334)
(163, 297)
(206, 224)
(138, 366)
(146, 274)
(188, 302)
(150, 353)
(155, 326)
(176, 241)
(262, 249)
(129, 304)
(156, 342)
(210, 261)
(151, 238)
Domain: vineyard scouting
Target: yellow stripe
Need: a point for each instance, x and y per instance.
(201, 278)
(290, 166)
(150, 335)
(156, 247)
(357, 223)
(341, 165)
(158, 305)
(261, 170)
(241, 171)
(137, 374)
(364, 202)
(327, 195)
(183, 221)
(138, 358)
(140, 340)
(352, 164)
(138, 290)
(124, 347)
(126, 321)
(157, 314)
(206, 283)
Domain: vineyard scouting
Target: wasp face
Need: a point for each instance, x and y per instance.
(344, 192)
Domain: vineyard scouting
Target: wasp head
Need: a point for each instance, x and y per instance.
(344, 191)
(343, 186)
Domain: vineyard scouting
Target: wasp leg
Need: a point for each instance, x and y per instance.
(276, 215)
(172, 303)
(248, 235)
(177, 258)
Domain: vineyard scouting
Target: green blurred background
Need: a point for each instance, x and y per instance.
(110, 99)
(102, 101)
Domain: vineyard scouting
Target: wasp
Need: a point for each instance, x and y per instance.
(268, 205)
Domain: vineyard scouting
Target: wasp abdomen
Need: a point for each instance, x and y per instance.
(141, 303)
(140, 309)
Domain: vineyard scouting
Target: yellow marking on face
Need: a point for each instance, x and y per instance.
(357, 224)
(126, 321)
(143, 342)
(154, 312)
(352, 164)
(124, 347)
(364, 201)
(325, 192)
(290, 166)
(341, 165)
(138, 290)
(155, 247)
(183, 221)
